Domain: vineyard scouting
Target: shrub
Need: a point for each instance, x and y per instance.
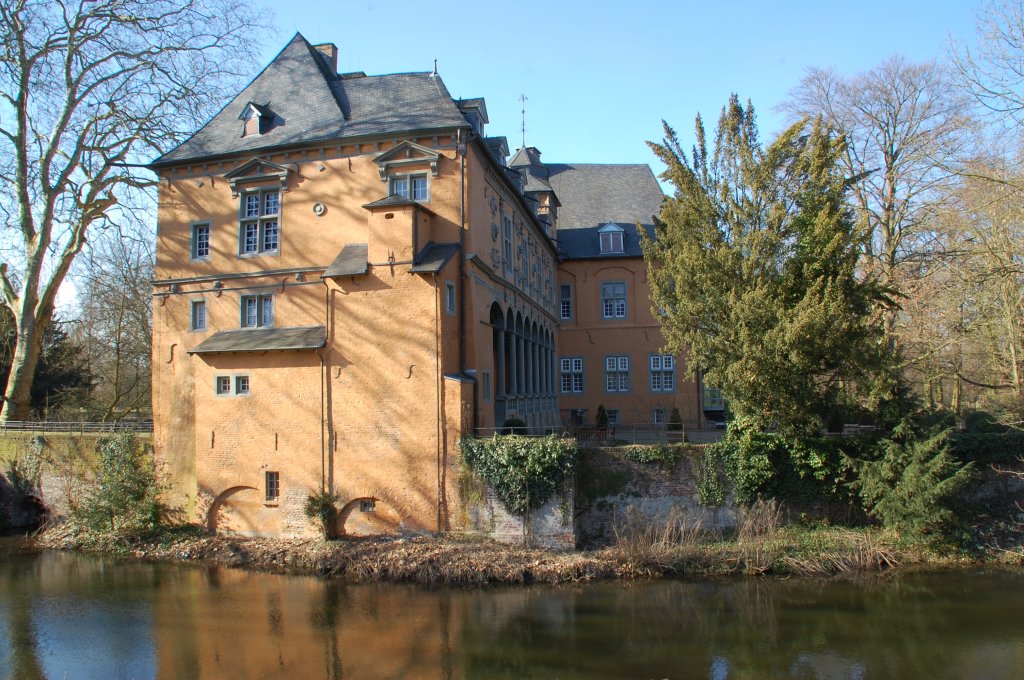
(601, 419)
(513, 425)
(768, 465)
(322, 508)
(675, 420)
(912, 484)
(124, 500)
(524, 472)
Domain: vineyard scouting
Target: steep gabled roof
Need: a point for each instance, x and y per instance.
(312, 104)
(593, 195)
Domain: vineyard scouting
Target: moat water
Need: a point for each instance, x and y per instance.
(70, 616)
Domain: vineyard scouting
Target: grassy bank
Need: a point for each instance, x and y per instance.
(473, 562)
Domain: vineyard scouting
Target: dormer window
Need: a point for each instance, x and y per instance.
(256, 119)
(611, 239)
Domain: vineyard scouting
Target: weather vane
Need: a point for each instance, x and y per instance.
(522, 100)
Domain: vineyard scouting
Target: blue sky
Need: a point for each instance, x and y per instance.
(600, 76)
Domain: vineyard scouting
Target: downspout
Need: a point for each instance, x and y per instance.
(323, 388)
(439, 382)
(461, 151)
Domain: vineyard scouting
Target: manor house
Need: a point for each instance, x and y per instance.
(351, 275)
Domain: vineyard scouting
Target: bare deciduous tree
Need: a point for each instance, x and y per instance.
(907, 128)
(114, 327)
(88, 90)
(993, 72)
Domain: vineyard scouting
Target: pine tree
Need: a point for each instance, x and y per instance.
(754, 273)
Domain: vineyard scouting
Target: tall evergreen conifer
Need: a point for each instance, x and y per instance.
(754, 273)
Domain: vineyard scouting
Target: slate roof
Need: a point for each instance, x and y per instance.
(434, 257)
(594, 195)
(527, 160)
(396, 201)
(312, 104)
(351, 261)
(263, 339)
(585, 243)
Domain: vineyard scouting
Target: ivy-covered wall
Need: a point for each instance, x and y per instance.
(652, 479)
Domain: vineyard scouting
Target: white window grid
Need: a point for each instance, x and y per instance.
(616, 373)
(565, 300)
(241, 384)
(613, 300)
(613, 416)
(658, 416)
(223, 384)
(260, 230)
(571, 369)
(411, 186)
(257, 311)
(663, 375)
(200, 241)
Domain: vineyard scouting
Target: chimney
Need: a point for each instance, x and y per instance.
(330, 51)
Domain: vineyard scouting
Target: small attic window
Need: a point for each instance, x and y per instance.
(611, 239)
(256, 119)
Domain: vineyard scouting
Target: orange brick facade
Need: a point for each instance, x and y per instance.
(445, 322)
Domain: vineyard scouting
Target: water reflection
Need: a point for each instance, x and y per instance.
(68, 616)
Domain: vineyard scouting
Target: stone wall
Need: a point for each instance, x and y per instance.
(608, 485)
(550, 526)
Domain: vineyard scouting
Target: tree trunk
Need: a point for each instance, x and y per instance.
(18, 396)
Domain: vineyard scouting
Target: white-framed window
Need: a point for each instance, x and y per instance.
(616, 374)
(259, 227)
(231, 385)
(198, 322)
(613, 300)
(572, 374)
(506, 222)
(565, 301)
(415, 187)
(272, 483)
(257, 311)
(663, 373)
(449, 297)
(367, 505)
(611, 239)
(485, 379)
(658, 416)
(200, 241)
(613, 416)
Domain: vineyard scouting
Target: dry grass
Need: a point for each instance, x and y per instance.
(648, 548)
(757, 536)
(857, 552)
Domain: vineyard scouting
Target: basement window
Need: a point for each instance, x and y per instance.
(273, 486)
(367, 505)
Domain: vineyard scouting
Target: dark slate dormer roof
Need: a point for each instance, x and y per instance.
(263, 339)
(527, 161)
(594, 195)
(498, 146)
(585, 243)
(434, 257)
(351, 261)
(396, 201)
(313, 104)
